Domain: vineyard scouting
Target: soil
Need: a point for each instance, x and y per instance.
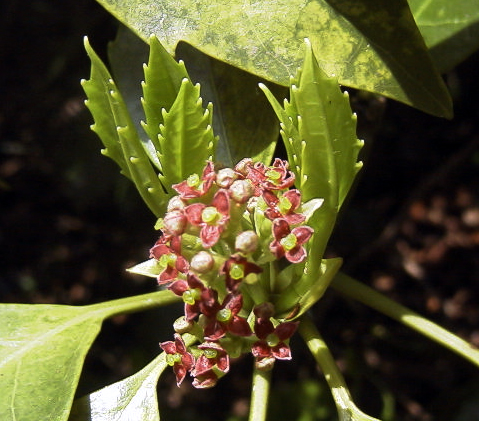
(70, 225)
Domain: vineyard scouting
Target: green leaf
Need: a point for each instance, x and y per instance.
(42, 349)
(151, 268)
(134, 398)
(319, 133)
(368, 44)
(186, 135)
(450, 29)
(300, 296)
(244, 122)
(117, 132)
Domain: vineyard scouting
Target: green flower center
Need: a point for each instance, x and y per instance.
(193, 180)
(210, 353)
(224, 315)
(190, 296)
(172, 359)
(237, 271)
(284, 205)
(210, 215)
(289, 242)
(272, 340)
(168, 260)
(273, 176)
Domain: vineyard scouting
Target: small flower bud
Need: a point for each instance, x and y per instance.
(225, 177)
(243, 166)
(246, 242)
(182, 325)
(175, 203)
(202, 262)
(175, 222)
(241, 191)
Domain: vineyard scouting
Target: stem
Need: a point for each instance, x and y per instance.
(347, 410)
(259, 395)
(136, 303)
(358, 291)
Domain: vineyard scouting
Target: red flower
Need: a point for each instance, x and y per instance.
(212, 364)
(170, 257)
(271, 342)
(212, 219)
(289, 243)
(177, 356)
(235, 269)
(224, 318)
(197, 297)
(195, 186)
(284, 206)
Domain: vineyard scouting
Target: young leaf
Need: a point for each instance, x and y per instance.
(368, 44)
(300, 296)
(134, 398)
(246, 126)
(42, 349)
(319, 132)
(163, 77)
(186, 135)
(117, 132)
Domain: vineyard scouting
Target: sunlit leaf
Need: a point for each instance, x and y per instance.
(319, 132)
(134, 398)
(42, 349)
(450, 29)
(368, 44)
(115, 128)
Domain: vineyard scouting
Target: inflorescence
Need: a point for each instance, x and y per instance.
(225, 237)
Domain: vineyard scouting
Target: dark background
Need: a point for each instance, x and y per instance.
(70, 225)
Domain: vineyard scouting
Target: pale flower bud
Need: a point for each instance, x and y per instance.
(202, 262)
(241, 191)
(225, 177)
(246, 242)
(175, 222)
(175, 203)
(182, 325)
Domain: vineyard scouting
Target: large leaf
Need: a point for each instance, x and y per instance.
(134, 398)
(450, 29)
(368, 44)
(42, 349)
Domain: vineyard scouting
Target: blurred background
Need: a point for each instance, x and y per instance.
(70, 224)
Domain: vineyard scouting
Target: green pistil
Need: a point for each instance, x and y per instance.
(193, 180)
(284, 205)
(168, 260)
(210, 353)
(273, 176)
(224, 315)
(190, 296)
(237, 271)
(272, 340)
(172, 359)
(210, 215)
(289, 242)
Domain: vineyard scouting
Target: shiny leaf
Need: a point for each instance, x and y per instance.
(134, 398)
(450, 29)
(369, 44)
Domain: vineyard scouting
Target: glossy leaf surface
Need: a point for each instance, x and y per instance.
(369, 44)
(42, 349)
(134, 398)
(450, 29)
(319, 133)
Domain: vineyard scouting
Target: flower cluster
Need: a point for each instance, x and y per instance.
(219, 234)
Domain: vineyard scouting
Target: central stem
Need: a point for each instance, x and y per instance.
(259, 395)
